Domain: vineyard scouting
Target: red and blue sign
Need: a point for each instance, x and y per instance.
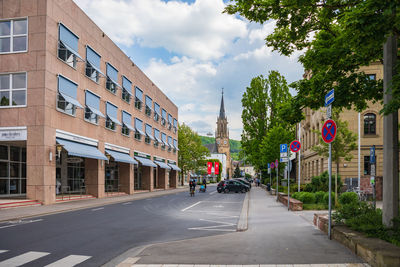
(295, 146)
(276, 163)
(272, 165)
(329, 131)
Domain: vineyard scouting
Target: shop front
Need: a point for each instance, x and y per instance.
(144, 171)
(163, 173)
(173, 175)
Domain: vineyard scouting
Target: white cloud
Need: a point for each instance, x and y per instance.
(260, 33)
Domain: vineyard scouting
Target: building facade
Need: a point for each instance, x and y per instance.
(77, 116)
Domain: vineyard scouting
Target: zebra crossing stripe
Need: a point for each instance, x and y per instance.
(69, 261)
(23, 258)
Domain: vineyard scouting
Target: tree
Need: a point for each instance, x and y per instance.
(340, 36)
(342, 146)
(236, 173)
(192, 153)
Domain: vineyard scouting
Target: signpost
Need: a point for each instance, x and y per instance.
(295, 146)
(277, 179)
(328, 135)
(372, 161)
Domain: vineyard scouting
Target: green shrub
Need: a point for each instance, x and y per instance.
(308, 188)
(307, 198)
(296, 195)
(326, 198)
(348, 197)
(319, 197)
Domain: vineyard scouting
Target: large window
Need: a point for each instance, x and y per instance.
(67, 96)
(138, 98)
(149, 135)
(149, 103)
(170, 143)
(163, 117)
(126, 123)
(176, 145)
(93, 71)
(68, 46)
(126, 89)
(112, 114)
(112, 79)
(157, 137)
(369, 123)
(12, 170)
(138, 129)
(164, 140)
(175, 125)
(92, 109)
(156, 111)
(367, 165)
(13, 36)
(13, 90)
(169, 122)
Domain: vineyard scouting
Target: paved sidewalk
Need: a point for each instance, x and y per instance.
(274, 236)
(27, 212)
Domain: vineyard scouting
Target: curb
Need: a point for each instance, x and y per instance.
(243, 220)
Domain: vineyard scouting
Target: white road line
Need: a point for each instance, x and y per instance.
(69, 261)
(229, 202)
(126, 203)
(6, 226)
(23, 258)
(191, 206)
(102, 208)
(222, 223)
(2, 251)
(212, 193)
(208, 229)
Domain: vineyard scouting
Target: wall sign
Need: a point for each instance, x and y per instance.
(13, 134)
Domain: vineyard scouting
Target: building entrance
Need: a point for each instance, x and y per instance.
(138, 178)
(112, 177)
(12, 170)
(70, 175)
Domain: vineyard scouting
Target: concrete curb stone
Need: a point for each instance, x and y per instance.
(242, 224)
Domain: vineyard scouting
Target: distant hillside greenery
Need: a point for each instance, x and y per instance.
(235, 145)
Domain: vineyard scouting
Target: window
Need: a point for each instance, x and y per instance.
(138, 98)
(157, 137)
(175, 125)
(149, 136)
(112, 78)
(92, 109)
(138, 129)
(149, 103)
(169, 143)
(126, 89)
(93, 71)
(68, 46)
(112, 114)
(163, 117)
(367, 166)
(66, 99)
(156, 111)
(371, 76)
(369, 123)
(13, 90)
(164, 141)
(13, 36)
(169, 121)
(175, 145)
(126, 123)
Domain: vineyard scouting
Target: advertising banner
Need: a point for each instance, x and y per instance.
(209, 166)
(216, 167)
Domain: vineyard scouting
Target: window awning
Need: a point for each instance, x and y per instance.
(129, 126)
(72, 50)
(121, 157)
(96, 68)
(95, 111)
(165, 143)
(146, 162)
(158, 139)
(174, 167)
(114, 81)
(176, 147)
(71, 100)
(81, 150)
(114, 120)
(140, 131)
(130, 93)
(162, 165)
(150, 136)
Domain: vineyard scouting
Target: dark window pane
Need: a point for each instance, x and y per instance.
(19, 43)
(14, 186)
(23, 170)
(5, 81)
(23, 154)
(14, 170)
(23, 186)
(4, 186)
(4, 98)
(3, 169)
(20, 27)
(19, 81)
(14, 153)
(4, 152)
(18, 98)
(5, 44)
(5, 28)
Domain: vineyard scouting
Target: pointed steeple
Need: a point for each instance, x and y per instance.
(222, 108)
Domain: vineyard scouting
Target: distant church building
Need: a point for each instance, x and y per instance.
(221, 148)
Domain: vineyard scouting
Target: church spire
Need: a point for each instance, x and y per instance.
(222, 108)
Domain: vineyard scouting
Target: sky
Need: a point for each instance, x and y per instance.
(190, 50)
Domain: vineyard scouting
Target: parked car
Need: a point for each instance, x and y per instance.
(243, 180)
(232, 186)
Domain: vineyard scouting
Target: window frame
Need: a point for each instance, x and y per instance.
(125, 95)
(89, 111)
(75, 57)
(11, 35)
(159, 133)
(147, 108)
(138, 135)
(110, 124)
(109, 82)
(163, 120)
(368, 124)
(156, 116)
(10, 90)
(124, 127)
(94, 70)
(74, 107)
(138, 102)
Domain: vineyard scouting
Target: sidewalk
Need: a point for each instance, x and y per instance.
(27, 212)
(274, 236)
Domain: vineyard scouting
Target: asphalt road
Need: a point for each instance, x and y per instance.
(94, 236)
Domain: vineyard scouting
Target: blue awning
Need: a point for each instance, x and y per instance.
(71, 100)
(174, 167)
(121, 157)
(81, 150)
(73, 51)
(146, 162)
(95, 68)
(162, 165)
(96, 111)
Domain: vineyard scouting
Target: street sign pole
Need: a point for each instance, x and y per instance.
(330, 190)
(298, 187)
(288, 180)
(277, 182)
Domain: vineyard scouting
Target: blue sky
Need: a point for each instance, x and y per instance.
(191, 50)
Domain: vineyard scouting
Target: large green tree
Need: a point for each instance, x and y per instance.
(192, 153)
(340, 36)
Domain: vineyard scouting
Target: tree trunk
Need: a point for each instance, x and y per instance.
(390, 138)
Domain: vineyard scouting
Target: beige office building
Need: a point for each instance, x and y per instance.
(77, 116)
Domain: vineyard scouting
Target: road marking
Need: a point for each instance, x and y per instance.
(7, 226)
(126, 203)
(24, 258)
(102, 208)
(71, 260)
(218, 206)
(207, 229)
(2, 251)
(223, 223)
(191, 206)
(212, 193)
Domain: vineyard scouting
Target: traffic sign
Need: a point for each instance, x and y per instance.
(284, 159)
(276, 163)
(373, 170)
(269, 165)
(295, 146)
(283, 149)
(329, 112)
(329, 97)
(329, 131)
(272, 165)
(372, 154)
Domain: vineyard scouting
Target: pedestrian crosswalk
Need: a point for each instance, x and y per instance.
(31, 256)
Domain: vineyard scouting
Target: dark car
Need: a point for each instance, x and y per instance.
(243, 180)
(232, 186)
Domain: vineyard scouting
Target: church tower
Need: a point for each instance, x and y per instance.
(222, 136)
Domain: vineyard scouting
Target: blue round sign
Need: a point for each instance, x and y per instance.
(295, 146)
(329, 131)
